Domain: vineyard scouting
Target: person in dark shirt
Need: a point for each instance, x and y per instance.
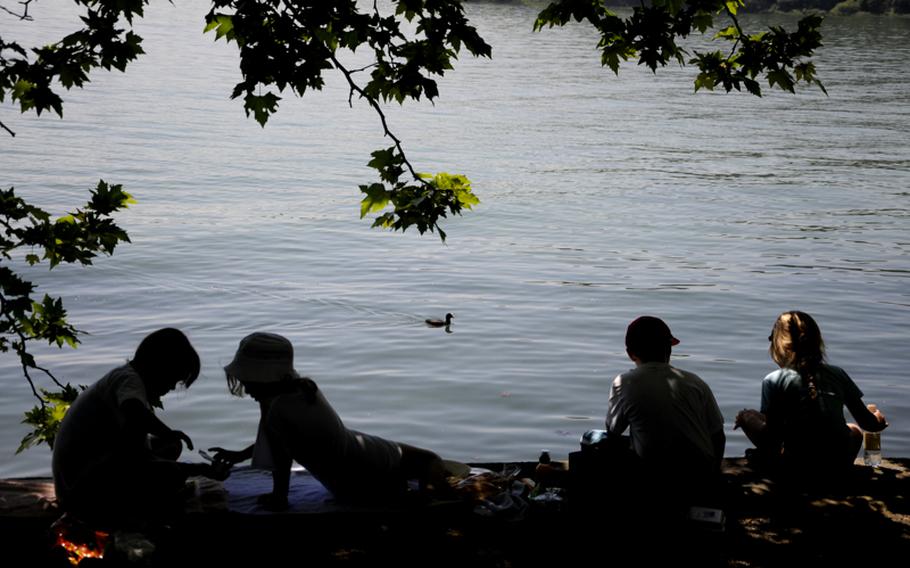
(801, 423)
(113, 458)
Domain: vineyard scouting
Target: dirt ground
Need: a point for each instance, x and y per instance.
(766, 524)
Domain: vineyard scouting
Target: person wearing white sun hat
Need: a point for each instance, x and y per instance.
(297, 423)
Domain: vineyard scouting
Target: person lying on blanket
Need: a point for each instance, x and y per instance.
(297, 423)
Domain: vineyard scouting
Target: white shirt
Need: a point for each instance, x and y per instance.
(670, 413)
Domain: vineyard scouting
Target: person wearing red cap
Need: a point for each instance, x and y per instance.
(672, 416)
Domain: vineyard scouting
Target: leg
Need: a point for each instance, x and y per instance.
(423, 465)
(128, 490)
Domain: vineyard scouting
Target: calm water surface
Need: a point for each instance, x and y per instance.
(602, 198)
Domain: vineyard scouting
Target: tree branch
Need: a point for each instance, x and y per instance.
(740, 33)
(375, 104)
(20, 348)
(31, 383)
(49, 374)
(355, 88)
(4, 127)
(364, 68)
(24, 15)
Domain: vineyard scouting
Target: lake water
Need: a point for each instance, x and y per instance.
(603, 198)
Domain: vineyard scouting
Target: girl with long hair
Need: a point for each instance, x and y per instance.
(801, 421)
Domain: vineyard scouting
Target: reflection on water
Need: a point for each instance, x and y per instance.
(602, 198)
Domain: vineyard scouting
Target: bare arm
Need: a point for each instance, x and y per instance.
(754, 425)
(869, 418)
(616, 422)
(277, 500)
(232, 456)
(141, 421)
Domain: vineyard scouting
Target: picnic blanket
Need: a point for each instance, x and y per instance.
(305, 495)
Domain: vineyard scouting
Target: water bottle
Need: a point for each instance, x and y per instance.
(544, 457)
(872, 448)
(543, 470)
(546, 495)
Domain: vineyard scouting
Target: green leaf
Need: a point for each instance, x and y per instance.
(30, 439)
(705, 81)
(752, 86)
(45, 419)
(458, 184)
(702, 21)
(381, 158)
(384, 221)
(782, 79)
(730, 32)
(261, 106)
(804, 72)
(733, 5)
(21, 89)
(223, 26)
(375, 200)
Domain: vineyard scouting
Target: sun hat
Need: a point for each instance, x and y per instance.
(262, 358)
(649, 330)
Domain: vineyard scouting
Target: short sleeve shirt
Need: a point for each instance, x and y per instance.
(806, 427)
(671, 414)
(93, 429)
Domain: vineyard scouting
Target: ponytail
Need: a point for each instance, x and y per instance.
(796, 343)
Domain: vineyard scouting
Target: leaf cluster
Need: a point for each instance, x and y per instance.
(286, 44)
(413, 203)
(77, 237)
(29, 77)
(45, 418)
(653, 33)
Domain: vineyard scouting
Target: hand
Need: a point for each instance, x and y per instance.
(273, 502)
(226, 456)
(878, 414)
(179, 435)
(218, 471)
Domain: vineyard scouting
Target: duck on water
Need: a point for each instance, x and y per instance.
(433, 322)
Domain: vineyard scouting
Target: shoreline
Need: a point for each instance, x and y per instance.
(766, 524)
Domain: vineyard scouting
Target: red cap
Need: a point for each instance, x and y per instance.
(648, 330)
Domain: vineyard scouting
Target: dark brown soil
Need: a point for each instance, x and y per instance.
(767, 524)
